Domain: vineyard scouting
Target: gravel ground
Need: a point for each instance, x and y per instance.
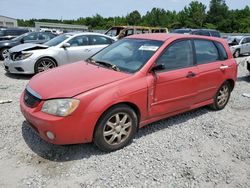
(201, 148)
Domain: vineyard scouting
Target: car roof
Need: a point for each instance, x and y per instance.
(164, 36)
(87, 33)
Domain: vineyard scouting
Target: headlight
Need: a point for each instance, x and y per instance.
(22, 56)
(60, 107)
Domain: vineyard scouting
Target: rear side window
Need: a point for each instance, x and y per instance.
(178, 55)
(206, 51)
(99, 40)
(222, 51)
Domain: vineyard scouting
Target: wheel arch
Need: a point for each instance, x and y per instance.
(131, 105)
(231, 83)
(52, 58)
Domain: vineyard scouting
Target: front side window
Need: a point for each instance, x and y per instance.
(129, 55)
(206, 51)
(79, 41)
(176, 56)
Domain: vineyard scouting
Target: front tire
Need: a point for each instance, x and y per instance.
(3, 53)
(237, 53)
(116, 128)
(222, 97)
(44, 64)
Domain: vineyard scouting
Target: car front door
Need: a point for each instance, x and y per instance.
(175, 87)
(78, 49)
(210, 66)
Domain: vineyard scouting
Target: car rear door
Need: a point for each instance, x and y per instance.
(175, 87)
(211, 66)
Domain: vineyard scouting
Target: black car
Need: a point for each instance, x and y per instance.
(204, 32)
(31, 37)
(10, 33)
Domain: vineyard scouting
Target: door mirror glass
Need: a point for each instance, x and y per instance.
(158, 67)
(66, 45)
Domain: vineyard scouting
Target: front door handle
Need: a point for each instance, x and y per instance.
(224, 67)
(191, 75)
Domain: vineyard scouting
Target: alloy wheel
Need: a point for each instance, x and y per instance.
(45, 64)
(117, 129)
(223, 96)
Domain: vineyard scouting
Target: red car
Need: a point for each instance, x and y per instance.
(131, 83)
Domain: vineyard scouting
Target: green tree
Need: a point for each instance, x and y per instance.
(194, 15)
(134, 18)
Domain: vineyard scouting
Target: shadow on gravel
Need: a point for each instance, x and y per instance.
(79, 151)
(55, 152)
(19, 76)
(244, 79)
(171, 121)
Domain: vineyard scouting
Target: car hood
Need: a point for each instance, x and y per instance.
(27, 47)
(73, 79)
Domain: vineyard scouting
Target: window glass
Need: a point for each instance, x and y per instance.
(248, 40)
(215, 33)
(222, 51)
(31, 36)
(129, 55)
(178, 55)
(99, 40)
(46, 36)
(244, 41)
(129, 32)
(206, 51)
(79, 41)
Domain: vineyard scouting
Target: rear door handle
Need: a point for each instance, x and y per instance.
(191, 75)
(223, 67)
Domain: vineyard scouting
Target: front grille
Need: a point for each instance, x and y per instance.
(30, 100)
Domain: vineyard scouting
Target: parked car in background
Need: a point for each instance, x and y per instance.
(133, 82)
(119, 32)
(239, 45)
(10, 33)
(66, 48)
(31, 37)
(203, 32)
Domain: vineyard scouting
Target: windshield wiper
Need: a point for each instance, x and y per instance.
(104, 63)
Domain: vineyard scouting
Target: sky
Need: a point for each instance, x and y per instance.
(73, 9)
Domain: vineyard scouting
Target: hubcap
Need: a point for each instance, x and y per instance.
(45, 65)
(223, 96)
(117, 129)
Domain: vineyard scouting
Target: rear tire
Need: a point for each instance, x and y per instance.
(44, 64)
(222, 97)
(116, 128)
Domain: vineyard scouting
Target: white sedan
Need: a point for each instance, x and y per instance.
(66, 48)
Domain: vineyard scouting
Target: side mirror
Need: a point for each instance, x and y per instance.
(158, 68)
(22, 40)
(66, 45)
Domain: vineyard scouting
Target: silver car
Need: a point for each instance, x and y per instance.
(239, 45)
(66, 48)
